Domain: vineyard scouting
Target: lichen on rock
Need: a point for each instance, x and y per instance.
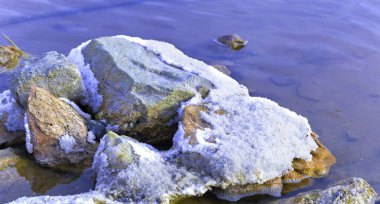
(50, 71)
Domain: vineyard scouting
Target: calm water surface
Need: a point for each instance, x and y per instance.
(318, 58)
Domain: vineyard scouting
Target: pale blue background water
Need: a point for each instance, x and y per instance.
(320, 58)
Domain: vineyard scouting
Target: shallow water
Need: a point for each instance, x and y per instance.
(318, 58)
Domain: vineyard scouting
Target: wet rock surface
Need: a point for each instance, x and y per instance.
(58, 134)
(50, 71)
(232, 41)
(141, 93)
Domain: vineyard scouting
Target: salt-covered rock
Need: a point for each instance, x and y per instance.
(226, 138)
(52, 72)
(57, 133)
(11, 120)
(140, 92)
(350, 190)
(130, 171)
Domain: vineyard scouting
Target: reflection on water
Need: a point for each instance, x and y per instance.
(318, 58)
(27, 178)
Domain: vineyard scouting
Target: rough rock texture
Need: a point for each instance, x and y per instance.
(350, 190)
(11, 117)
(52, 72)
(58, 133)
(319, 166)
(130, 171)
(141, 93)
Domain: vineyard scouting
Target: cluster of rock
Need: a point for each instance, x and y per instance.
(224, 140)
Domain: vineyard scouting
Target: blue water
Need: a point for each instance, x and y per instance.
(319, 58)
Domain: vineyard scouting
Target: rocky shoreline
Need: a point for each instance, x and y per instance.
(113, 100)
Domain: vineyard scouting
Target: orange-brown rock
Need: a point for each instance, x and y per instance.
(58, 132)
(318, 167)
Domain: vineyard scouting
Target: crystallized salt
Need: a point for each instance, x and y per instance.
(89, 82)
(150, 179)
(92, 197)
(77, 108)
(91, 137)
(15, 113)
(67, 143)
(28, 139)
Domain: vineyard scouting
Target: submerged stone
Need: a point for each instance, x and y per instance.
(58, 134)
(51, 71)
(222, 68)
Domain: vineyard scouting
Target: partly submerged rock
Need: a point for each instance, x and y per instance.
(350, 190)
(222, 68)
(130, 171)
(229, 139)
(194, 121)
(11, 116)
(58, 134)
(233, 41)
(51, 71)
(140, 92)
(9, 57)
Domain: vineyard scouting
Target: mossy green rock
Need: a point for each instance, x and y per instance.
(141, 93)
(52, 72)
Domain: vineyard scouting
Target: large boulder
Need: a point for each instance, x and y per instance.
(52, 72)
(58, 135)
(11, 116)
(141, 93)
(350, 190)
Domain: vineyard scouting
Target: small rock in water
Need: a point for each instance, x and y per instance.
(222, 68)
(282, 81)
(9, 57)
(233, 41)
(58, 134)
(309, 91)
